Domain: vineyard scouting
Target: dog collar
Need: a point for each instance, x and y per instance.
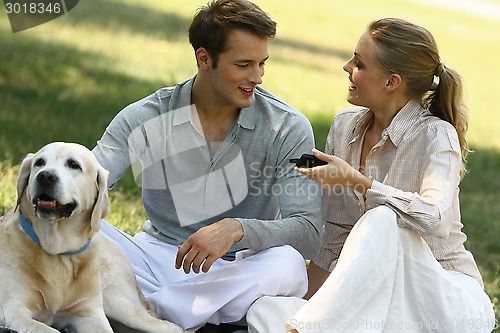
(28, 229)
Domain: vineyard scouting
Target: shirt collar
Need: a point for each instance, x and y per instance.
(399, 126)
(404, 120)
(363, 120)
(181, 102)
(248, 117)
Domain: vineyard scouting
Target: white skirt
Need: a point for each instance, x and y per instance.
(223, 295)
(386, 280)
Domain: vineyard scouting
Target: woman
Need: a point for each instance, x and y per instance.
(393, 241)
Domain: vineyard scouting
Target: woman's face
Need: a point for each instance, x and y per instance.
(368, 79)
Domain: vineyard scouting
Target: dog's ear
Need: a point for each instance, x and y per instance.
(101, 206)
(23, 177)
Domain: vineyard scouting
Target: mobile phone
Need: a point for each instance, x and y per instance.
(307, 161)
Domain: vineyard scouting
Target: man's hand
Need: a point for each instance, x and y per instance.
(207, 245)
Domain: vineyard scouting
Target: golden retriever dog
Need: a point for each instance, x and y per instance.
(55, 269)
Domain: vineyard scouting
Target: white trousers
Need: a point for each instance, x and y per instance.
(222, 295)
(386, 280)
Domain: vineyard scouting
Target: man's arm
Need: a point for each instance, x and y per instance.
(300, 224)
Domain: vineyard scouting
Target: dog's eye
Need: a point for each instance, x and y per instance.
(39, 162)
(72, 164)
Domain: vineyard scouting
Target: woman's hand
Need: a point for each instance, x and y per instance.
(337, 173)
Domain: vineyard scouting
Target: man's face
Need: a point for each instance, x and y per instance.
(240, 69)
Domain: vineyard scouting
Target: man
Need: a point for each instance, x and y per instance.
(230, 220)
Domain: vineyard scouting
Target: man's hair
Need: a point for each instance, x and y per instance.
(212, 24)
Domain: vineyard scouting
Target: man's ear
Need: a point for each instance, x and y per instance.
(203, 58)
(393, 82)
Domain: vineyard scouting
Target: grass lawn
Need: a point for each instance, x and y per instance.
(66, 79)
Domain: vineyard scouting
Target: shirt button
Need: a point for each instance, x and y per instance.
(384, 135)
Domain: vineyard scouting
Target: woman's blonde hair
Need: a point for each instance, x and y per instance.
(411, 51)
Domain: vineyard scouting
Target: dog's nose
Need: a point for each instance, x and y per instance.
(46, 178)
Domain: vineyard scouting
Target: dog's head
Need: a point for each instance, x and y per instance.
(62, 181)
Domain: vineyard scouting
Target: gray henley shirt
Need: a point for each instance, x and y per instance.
(186, 187)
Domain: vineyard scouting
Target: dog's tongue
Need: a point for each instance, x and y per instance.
(47, 204)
